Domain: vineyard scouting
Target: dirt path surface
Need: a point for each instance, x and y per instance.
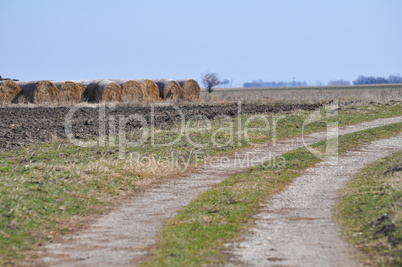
(123, 236)
(296, 227)
(23, 126)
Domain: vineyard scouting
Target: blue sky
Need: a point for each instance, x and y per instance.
(240, 40)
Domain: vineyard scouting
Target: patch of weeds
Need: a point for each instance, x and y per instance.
(371, 212)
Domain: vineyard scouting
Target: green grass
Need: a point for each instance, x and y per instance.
(196, 236)
(375, 191)
(47, 187)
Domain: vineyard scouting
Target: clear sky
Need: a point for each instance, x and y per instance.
(240, 40)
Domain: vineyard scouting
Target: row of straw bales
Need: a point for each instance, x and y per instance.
(41, 92)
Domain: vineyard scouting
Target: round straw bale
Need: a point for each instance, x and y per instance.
(82, 89)
(39, 92)
(69, 92)
(87, 82)
(190, 89)
(150, 90)
(81, 86)
(103, 91)
(8, 91)
(90, 89)
(130, 90)
(168, 89)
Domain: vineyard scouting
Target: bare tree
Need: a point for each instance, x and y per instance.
(209, 80)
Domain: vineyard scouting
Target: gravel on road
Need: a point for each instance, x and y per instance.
(296, 227)
(125, 235)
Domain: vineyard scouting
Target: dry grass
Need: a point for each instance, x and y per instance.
(190, 89)
(8, 91)
(147, 172)
(349, 94)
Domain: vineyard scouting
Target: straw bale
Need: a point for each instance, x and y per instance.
(39, 92)
(69, 92)
(8, 91)
(103, 91)
(150, 90)
(168, 89)
(190, 89)
(130, 90)
(82, 86)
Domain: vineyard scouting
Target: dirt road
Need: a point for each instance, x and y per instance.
(296, 227)
(123, 236)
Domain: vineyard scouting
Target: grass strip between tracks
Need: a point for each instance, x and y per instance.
(370, 212)
(196, 236)
(48, 189)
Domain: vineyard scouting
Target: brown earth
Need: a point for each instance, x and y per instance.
(21, 126)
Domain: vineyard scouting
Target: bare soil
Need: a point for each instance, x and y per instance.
(23, 126)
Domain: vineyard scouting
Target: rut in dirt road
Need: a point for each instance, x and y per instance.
(296, 227)
(123, 236)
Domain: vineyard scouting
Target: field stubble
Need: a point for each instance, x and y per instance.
(346, 94)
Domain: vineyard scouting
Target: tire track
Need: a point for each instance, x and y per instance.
(124, 236)
(296, 227)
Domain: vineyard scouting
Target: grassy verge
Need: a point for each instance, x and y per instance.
(46, 188)
(374, 192)
(196, 236)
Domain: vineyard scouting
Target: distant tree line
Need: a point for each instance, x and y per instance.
(338, 82)
(360, 80)
(377, 80)
(261, 83)
(225, 83)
